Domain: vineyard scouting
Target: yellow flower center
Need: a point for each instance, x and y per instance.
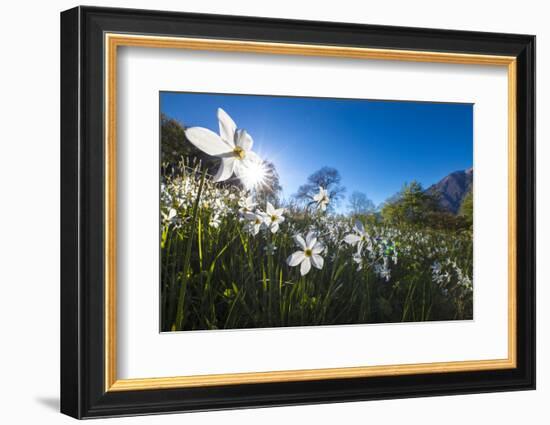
(239, 152)
(257, 221)
(273, 218)
(308, 252)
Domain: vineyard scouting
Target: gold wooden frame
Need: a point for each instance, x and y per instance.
(113, 41)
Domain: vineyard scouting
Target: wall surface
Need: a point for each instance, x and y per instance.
(29, 228)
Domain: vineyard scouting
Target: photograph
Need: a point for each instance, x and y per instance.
(280, 211)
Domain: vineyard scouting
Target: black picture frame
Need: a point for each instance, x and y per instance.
(83, 392)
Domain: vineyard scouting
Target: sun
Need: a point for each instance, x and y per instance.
(254, 174)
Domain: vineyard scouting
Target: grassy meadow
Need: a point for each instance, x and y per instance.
(235, 255)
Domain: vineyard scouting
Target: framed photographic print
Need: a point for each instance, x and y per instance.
(261, 212)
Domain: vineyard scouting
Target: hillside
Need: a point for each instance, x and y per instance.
(452, 189)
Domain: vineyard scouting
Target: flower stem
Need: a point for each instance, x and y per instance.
(187, 258)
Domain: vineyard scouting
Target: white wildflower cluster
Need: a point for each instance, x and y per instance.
(374, 250)
(380, 248)
(169, 205)
(218, 205)
(332, 228)
(419, 246)
(256, 219)
(449, 277)
(179, 194)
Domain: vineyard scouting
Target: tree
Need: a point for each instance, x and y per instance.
(271, 189)
(359, 203)
(413, 206)
(467, 207)
(329, 179)
(174, 147)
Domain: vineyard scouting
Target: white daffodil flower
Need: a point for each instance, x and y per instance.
(232, 145)
(215, 221)
(309, 253)
(254, 222)
(169, 217)
(358, 238)
(246, 205)
(273, 217)
(322, 199)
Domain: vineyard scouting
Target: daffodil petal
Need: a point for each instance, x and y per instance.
(252, 157)
(243, 140)
(305, 266)
(274, 227)
(227, 127)
(317, 261)
(317, 248)
(351, 239)
(300, 241)
(269, 208)
(207, 141)
(311, 238)
(239, 170)
(295, 258)
(250, 216)
(226, 169)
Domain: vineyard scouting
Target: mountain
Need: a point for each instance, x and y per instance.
(452, 189)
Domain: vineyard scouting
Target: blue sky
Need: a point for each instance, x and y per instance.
(376, 145)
